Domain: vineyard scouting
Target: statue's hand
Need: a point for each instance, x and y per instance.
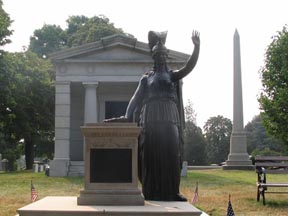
(196, 37)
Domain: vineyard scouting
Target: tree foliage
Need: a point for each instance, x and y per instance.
(217, 133)
(259, 141)
(28, 113)
(195, 145)
(8, 141)
(34, 97)
(80, 30)
(5, 75)
(48, 39)
(8, 138)
(274, 75)
(5, 23)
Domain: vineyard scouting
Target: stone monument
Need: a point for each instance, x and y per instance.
(111, 149)
(238, 157)
(111, 165)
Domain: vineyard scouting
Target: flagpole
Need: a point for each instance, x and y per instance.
(34, 194)
(230, 211)
(195, 198)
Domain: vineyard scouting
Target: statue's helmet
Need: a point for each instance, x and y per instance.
(157, 42)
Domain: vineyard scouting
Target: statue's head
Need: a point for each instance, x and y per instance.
(157, 43)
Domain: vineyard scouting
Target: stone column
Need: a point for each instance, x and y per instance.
(90, 107)
(238, 157)
(59, 166)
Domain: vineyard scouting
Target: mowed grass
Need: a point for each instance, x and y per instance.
(214, 189)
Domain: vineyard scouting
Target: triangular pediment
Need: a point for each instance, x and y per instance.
(114, 53)
(115, 48)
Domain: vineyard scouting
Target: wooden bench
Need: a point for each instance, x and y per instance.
(270, 164)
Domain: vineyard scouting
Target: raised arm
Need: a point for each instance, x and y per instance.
(184, 71)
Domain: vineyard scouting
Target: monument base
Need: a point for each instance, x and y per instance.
(115, 197)
(67, 206)
(238, 159)
(238, 162)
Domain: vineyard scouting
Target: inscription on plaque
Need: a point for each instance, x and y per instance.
(110, 165)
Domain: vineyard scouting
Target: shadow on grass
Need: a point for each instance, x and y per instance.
(277, 203)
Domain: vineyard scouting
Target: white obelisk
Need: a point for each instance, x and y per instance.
(238, 157)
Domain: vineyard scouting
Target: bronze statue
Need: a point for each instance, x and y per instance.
(156, 106)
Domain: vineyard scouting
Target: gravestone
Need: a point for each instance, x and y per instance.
(21, 164)
(36, 168)
(184, 169)
(111, 165)
(4, 164)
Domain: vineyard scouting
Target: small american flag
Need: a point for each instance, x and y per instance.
(195, 198)
(34, 194)
(230, 211)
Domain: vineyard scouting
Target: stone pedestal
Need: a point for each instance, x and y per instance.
(67, 206)
(111, 165)
(238, 157)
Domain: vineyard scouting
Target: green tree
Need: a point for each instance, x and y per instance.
(5, 23)
(195, 145)
(80, 30)
(8, 139)
(34, 102)
(48, 39)
(217, 134)
(274, 75)
(194, 142)
(259, 140)
(5, 75)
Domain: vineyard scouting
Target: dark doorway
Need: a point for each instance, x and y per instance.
(115, 108)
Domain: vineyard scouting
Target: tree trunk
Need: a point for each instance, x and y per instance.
(29, 152)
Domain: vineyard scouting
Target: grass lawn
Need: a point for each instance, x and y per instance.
(214, 189)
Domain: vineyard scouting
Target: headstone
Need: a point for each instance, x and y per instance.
(36, 168)
(184, 169)
(41, 168)
(111, 165)
(21, 164)
(4, 164)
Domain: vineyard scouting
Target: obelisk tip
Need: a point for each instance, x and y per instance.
(236, 34)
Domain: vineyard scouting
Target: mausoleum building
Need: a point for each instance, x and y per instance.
(95, 81)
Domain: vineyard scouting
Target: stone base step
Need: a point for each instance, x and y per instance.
(67, 206)
(76, 168)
